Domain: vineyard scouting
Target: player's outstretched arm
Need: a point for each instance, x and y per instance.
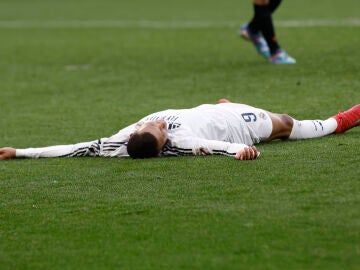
(248, 153)
(199, 147)
(7, 153)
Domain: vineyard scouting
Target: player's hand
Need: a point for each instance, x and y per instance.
(248, 153)
(7, 153)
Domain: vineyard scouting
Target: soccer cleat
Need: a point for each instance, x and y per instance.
(348, 119)
(257, 39)
(223, 100)
(281, 57)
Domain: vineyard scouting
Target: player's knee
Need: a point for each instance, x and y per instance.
(286, 123)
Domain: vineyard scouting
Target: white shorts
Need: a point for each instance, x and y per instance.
(258, 120)
(263, 126)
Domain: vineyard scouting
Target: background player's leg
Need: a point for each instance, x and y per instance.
(274, 4)
(252, 31)
(256, 21)
(262, 22)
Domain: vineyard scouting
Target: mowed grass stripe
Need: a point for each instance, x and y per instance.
(351, 22)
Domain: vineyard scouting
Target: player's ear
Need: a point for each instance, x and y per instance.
(163, 125)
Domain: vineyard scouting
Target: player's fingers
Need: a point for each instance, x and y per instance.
(251, 153)
(248, 153)
(254, 152)
(243, 154)
(240, 155)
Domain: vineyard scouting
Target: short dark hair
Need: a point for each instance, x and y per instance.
(142, 145)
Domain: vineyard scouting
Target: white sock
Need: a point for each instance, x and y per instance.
(307, 129)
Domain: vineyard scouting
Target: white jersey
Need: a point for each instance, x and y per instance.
(222, 129)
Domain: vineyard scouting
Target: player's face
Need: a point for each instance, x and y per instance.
(158, 129)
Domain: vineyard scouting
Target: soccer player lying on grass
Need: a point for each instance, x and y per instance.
(227, 128)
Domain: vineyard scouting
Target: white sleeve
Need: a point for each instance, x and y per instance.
(198, 147)
(115, 146)
(79, 149)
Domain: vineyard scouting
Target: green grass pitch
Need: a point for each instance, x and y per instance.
(73, 71)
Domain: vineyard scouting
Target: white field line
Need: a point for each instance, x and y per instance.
(351, 22)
